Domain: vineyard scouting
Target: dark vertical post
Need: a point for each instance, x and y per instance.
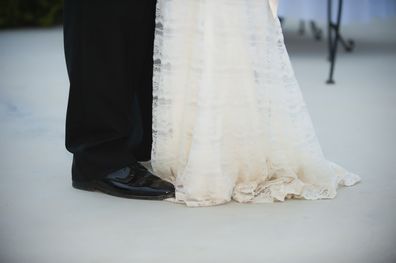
(333, 43)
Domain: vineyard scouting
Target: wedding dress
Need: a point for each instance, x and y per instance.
(229, 119)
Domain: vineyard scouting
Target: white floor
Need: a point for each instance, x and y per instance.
(43, 219)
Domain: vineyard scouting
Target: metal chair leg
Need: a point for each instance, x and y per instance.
(333, 37)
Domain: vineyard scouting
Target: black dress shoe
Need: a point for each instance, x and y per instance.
(133, 181)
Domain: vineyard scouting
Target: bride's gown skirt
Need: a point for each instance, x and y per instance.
(229, 118)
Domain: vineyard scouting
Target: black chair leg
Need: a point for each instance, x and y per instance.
(333, 36)
(316, 31)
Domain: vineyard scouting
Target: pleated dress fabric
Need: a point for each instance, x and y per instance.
(229, 118)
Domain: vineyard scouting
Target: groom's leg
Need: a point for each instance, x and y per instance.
(140, 59)
(108, 100)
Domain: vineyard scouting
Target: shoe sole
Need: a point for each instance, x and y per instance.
(97, 187)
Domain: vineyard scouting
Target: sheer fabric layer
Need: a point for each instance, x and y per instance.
(229, 118)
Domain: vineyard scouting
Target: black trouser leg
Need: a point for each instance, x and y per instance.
(108, 49)
(143, 84)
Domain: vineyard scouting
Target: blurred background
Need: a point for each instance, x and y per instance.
(22, 13)
(43, 219)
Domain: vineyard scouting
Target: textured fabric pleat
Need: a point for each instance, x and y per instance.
(229, 118)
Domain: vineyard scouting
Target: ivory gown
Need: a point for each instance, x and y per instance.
(229, 118)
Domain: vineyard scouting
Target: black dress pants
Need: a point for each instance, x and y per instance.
(109, 58)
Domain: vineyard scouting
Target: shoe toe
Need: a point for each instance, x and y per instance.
(163, 185)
